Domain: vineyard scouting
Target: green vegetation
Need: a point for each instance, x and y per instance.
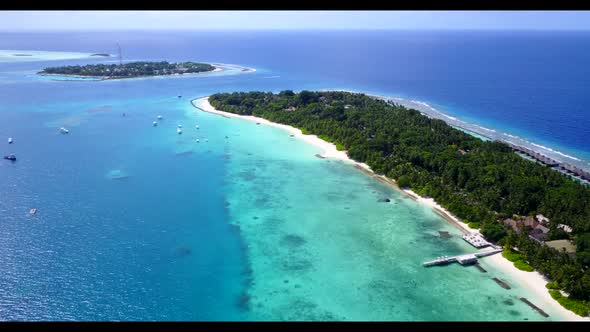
(524, 266)
(511, 255)
(480, 181)
(132, 69)
(517, 259)
(556, 294)
(581, 308)
(474, 225)
(552, 285)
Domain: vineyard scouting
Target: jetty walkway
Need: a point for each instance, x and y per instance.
(461, 259)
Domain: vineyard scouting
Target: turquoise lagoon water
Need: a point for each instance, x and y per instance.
(136, 222)
(321, 247)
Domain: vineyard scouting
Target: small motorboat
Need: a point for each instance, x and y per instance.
(179, 131)
(9, 140)
(64, 130)
(179, 126)
(10, 157)
(206, 140)
(198, 140)
(159, 117)
(32, 211)
(155, 123)
(179, 96)
(197, 126)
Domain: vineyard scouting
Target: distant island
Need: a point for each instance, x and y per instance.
(129, 70)
(539, 215)
(101, 54)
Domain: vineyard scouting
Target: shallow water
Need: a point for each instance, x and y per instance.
(322, 247)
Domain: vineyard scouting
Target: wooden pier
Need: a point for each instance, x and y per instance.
(535, 155)
(461, 259)
(567, 168)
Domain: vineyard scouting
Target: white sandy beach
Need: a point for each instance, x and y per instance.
(532, 281)
(329, 149)
(227, 65)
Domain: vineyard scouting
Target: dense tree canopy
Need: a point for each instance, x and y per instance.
(479, 181)
(132, 69)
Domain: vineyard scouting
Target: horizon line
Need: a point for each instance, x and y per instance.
(41, 30)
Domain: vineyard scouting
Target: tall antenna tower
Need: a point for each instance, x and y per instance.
(120, 55)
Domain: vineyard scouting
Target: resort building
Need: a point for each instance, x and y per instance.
(542, 219)
(566, 228)
(539, 233)
(476, 240)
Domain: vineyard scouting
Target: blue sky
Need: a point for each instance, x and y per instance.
(234, 20)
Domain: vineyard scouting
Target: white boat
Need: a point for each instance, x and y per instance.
(206, 140)
(9, 140)
(197, 126)
(159, 117)
(179, 126)
(154, 123)
(64, 130)
(179, 131)
(198, 140)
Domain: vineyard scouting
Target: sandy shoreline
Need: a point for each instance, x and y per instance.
(330, 150)
(218, 68)
(533, 281)
(242, 68)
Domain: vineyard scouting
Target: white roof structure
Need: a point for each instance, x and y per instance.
(566, 228)
(475, 240)
(541, 218)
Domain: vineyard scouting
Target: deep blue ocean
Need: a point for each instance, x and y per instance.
(158, 243)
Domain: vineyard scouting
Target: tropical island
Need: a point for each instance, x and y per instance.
(129, 70)
(539, 215)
